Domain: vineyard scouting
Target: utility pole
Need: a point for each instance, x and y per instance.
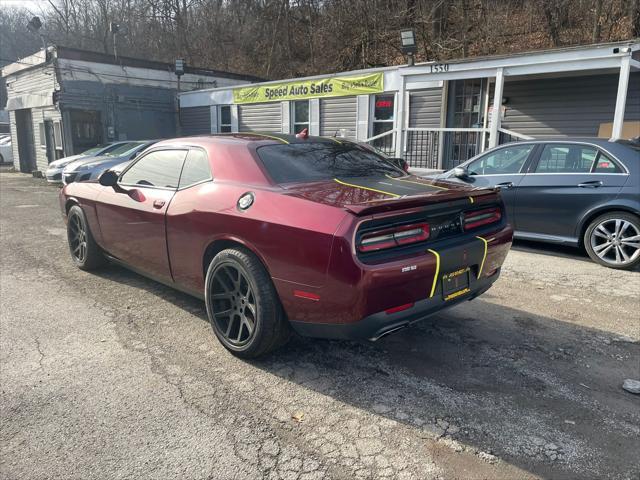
(179, 69)
(114, 28)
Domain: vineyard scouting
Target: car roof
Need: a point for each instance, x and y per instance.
(622, 149)
(252, 138)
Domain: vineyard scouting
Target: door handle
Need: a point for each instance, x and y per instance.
(592, 184)
(505, 185)
(158, 203)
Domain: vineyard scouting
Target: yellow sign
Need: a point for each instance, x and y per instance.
(322, 87)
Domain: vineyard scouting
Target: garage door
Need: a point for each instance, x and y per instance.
(337, 114)
(195, 120)
(260, 117)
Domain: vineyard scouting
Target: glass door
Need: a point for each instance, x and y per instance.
(465, 110)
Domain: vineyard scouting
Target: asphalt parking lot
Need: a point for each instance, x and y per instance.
(110, 375)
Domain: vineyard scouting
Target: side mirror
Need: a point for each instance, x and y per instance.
(461, 172)
(108, 178)
(400, 163)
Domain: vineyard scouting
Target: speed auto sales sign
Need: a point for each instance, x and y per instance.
(300, 90)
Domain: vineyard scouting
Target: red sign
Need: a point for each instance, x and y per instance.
(384, 104)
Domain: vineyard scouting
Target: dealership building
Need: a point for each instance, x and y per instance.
(62, 101)
(436, 115)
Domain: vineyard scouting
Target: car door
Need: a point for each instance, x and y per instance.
(189, 221)
(501, 167)
(565, 182)
(132, 217)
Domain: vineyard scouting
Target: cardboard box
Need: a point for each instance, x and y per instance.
(629, 130)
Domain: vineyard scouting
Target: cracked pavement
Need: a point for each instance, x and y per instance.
(111, 375)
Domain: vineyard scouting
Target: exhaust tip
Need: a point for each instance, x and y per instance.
(388, 332)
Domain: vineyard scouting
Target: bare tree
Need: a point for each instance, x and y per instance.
(284, 38)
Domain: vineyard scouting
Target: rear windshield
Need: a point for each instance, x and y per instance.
(632, 144)
(310, 162)
(123, 149)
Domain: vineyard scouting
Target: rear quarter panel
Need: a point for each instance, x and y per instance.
(292, 237)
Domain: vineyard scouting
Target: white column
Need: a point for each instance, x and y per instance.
(314, 116)
(286, 116)
(444, 105)
(400, 116)
(214, 118)
(494, 123)
(234, 118)
(362, 115)
(621, 99)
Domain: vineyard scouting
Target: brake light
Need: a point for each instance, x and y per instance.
(393, 237)
(481, 217)
(399, 308)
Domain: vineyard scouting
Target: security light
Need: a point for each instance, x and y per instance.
(408, 41)
(408, 44)
(179, 67)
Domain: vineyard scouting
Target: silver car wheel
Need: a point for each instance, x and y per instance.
(616, 241)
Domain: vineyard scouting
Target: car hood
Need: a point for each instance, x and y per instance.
(102, 160)
(366, 195)
(63, 162)
(90, 162)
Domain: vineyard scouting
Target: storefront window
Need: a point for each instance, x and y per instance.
(299, 115)
(224, 119)
(383, 117)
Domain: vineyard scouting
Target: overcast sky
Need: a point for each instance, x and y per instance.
(35, 6)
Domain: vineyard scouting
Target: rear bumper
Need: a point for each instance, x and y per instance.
(354, 301)
(379, 324)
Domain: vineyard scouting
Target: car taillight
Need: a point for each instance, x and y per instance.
(393, 237)
(481, 217)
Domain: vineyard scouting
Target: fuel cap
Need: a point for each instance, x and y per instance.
(245, 201)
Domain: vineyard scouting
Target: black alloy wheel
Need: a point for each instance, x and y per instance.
(242, 304)
(85, 252)
(234, 304)
(77, 238)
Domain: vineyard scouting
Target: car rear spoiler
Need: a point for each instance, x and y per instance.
(454, 198)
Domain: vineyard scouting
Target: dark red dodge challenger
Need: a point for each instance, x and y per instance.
(277, 232)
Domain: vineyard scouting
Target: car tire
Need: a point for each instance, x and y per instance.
(242, 304)
(607, 240)
(85, 252)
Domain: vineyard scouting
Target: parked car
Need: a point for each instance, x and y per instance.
(90, 168)
(582, 192)
(277, 232)
(54, 172)
(6, 153)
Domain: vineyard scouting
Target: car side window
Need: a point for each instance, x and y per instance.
(160, 168)
(196, 168)
(566, 158)
(605, 165)
(504, 161)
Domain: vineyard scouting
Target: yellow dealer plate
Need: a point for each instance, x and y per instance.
(455, 284)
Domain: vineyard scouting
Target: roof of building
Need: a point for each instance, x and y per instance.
(573, 52)
(38, 59)
(635, 43)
